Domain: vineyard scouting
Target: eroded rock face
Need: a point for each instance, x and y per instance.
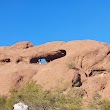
(22, 45)
(89, 69)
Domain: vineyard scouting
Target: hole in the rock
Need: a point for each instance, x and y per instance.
(19, 60)
(48, 58)
(76, 82)
(38, 60)
(103, 88)
(56, 55)
(41, 61)
(7, 60)
(34, 60)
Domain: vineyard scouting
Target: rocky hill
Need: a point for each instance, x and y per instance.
(68, 65)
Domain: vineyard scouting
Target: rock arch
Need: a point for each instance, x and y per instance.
(49, 57)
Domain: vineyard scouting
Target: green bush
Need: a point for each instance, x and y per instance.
(105, 105)
(99, 104)
(2, 103)
(95, 104)
(70, 65)
(37, 99)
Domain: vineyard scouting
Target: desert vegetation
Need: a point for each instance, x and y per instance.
(99, 104)
(70, 65)
(37, 99)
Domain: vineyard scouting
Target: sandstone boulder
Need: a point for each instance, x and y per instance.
(82, 64)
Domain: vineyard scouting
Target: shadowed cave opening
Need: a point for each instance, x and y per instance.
(7, 60)
(38, 60)
(48, 58)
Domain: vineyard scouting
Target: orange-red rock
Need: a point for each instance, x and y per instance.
(21, 63)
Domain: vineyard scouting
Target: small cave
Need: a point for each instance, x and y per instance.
(38, 60)
(76, 82)
(34, 60)
(49, 57)
(19, 60)
(7, 60)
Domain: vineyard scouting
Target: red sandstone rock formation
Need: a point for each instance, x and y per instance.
(82, 64)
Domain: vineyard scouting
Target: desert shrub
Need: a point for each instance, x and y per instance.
(2, 100)
(105, 105)
(96, 103)
(70, 65)
(37, 99)
(2, 103)
(99, 104)
(79, 93)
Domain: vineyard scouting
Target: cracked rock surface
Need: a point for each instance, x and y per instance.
(83, 64)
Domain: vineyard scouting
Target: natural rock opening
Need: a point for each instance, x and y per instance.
(38, 60)
(7, 60)
(34, 60)
(43, 60)
(56, 55)
(48, 57)
(76, 82)
(19, 60)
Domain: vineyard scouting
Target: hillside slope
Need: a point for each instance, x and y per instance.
(82, 64)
